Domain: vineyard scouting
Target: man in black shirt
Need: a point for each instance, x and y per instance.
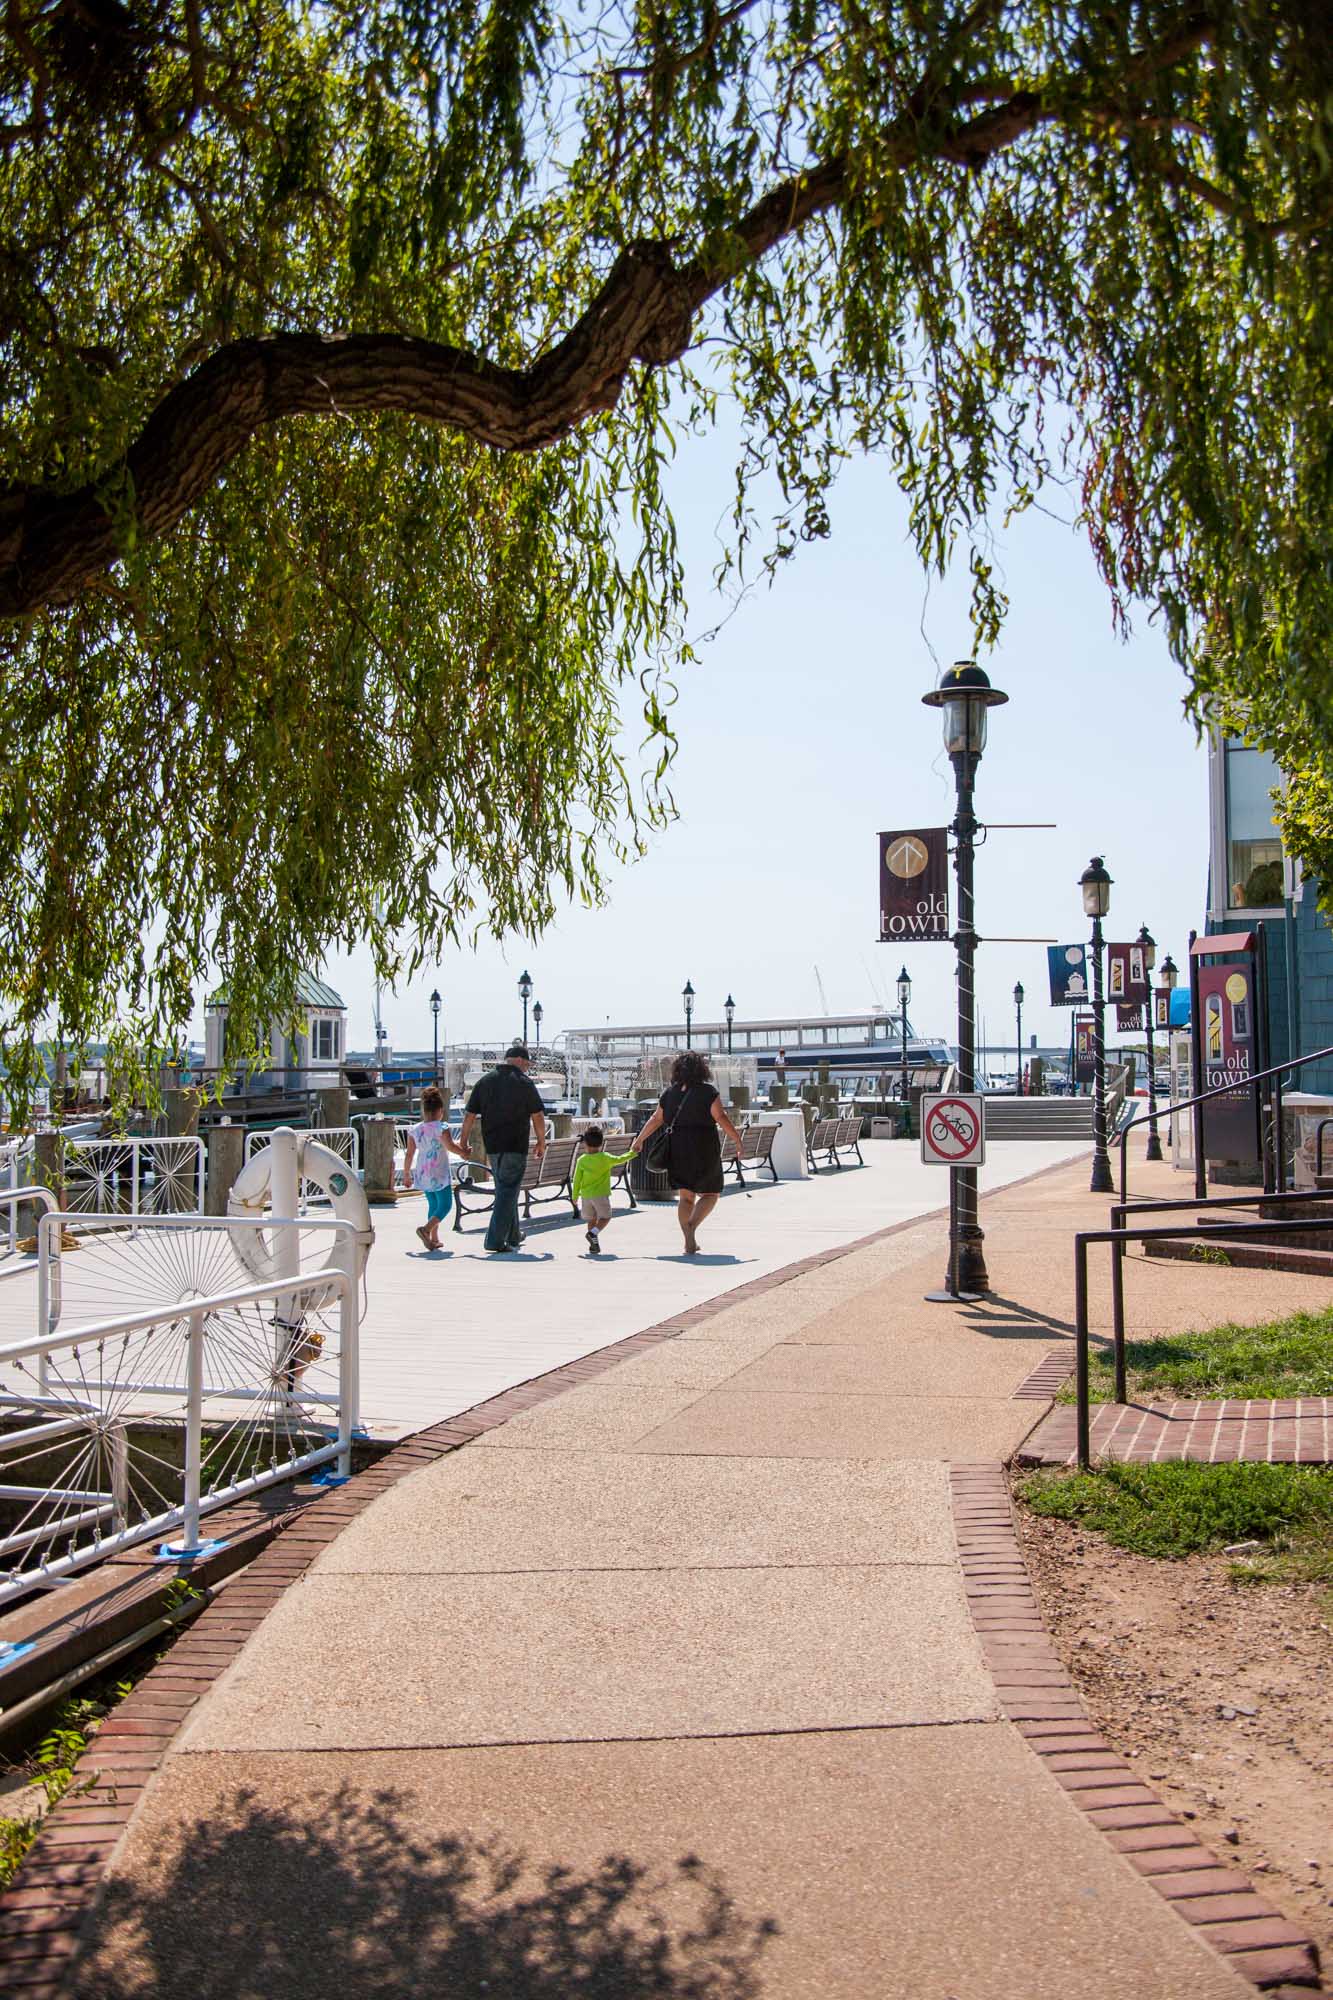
(506, 1101)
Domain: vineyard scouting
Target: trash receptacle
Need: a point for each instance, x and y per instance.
(648, 1183)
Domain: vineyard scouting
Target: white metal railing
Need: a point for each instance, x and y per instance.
(117, 1426)
(134, 1176)
(344, 1140)
(14, 1155)
(11, 1200)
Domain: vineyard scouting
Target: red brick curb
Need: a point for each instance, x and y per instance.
(1039, 1697)
(1296, 1430)
(1050, 1374)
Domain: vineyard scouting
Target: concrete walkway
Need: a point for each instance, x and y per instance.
(668, 1688)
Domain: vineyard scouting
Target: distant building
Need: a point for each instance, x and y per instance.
(302, 1061)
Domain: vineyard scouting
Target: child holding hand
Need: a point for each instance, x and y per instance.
(592, 1184)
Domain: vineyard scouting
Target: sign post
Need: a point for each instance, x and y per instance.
(953, 1135)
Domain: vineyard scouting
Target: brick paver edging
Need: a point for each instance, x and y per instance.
(43, 1914)
(1051, 1373)
(1042, 1702)
(1294, 1430)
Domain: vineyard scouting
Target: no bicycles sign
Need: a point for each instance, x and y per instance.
(953, 1131)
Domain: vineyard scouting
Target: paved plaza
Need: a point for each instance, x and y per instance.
(673, 1683)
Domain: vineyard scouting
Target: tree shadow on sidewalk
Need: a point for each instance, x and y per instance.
(348, 1898)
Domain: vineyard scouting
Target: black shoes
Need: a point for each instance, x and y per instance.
(594, 1245)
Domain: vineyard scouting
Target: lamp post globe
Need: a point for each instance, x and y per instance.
(525, 994)
(435, 1005)
(1170, 973)
(537, 1011)
(687, 995)
(729, 1009)
(1095, 884)
(1018, 1009)
(965, 698)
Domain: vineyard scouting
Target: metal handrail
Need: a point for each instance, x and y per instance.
(1188, 1103)
(1118, 1213)
(1201, 1232)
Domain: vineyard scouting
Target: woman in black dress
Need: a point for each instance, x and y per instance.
(695, 1113)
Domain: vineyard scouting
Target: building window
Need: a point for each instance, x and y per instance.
(1253, 844)
(324, 1041)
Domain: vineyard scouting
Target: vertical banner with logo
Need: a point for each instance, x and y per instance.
(914, 887)
(1128, 1019)
(1126, 974)
(1068, 968)
(1161, 1007)
(1227, 1028)
(1085, 1063)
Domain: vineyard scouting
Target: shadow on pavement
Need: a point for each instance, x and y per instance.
(1012, 1310)
(347, 1899)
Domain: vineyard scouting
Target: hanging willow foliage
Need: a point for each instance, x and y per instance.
(343, 349)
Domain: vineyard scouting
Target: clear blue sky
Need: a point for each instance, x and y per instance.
(802, 735)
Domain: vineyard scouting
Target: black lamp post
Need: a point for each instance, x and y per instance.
(904, 995)
(729, 1009)
(537, 1021)
(1170, 977)
(1018, 1009)
(687, 995)
(1148, 946)
(1096, 886)
(525, 992)
(435, 1005)
(964, 695)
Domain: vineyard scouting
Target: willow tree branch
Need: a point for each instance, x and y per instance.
(54, 545)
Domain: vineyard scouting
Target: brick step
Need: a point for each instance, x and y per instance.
(1253, 1253)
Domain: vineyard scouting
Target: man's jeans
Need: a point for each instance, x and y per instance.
(507, 1171)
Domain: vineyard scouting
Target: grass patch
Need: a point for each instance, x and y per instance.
(1285, 1357)
(1183, 1510)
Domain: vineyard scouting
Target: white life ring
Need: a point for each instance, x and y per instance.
(335, 1180)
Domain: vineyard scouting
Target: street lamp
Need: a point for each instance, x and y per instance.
(1018, 1009)
(729, 1009)
(525, 992)
(1148, 946)
(963, 696)
(904, 995)
(537, 1020)
(435, 1005)
(687, 995)
(1096, 886)
(1170, 977)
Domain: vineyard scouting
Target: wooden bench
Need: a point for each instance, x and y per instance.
(755, 1150)
(831, 1135)
(544, 1180)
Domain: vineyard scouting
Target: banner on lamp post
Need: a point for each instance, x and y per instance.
(1126, 974)
(1128, 1019)
(914, 887)
(1161, 1007)
(1067, 965)
(1085, 1061)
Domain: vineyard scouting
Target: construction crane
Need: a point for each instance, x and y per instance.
(823, 996)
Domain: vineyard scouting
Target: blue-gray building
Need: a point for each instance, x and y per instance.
(1251, 883)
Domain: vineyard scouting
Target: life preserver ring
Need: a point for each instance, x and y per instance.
(335, 1180)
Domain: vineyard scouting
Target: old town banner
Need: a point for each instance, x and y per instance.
(914, 887)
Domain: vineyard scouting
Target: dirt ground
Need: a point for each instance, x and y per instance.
(1221, 1694)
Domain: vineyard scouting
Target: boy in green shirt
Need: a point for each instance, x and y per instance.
(592, 1184)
